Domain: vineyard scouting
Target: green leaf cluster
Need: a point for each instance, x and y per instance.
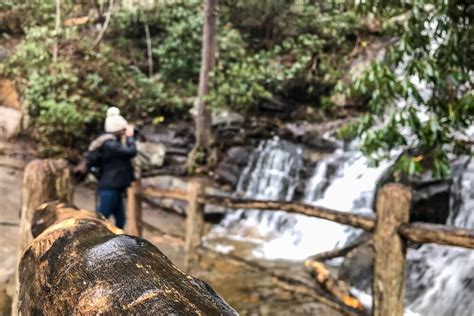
(420, 96)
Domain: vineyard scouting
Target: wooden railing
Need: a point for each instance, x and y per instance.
(391, 230)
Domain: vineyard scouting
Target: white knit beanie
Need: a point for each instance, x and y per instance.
(114, 122)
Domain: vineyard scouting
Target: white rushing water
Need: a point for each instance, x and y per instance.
(342, 181)
(440, 279)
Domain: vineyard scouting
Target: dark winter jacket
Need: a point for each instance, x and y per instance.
(116, 166)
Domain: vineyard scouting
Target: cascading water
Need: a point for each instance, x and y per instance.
(441, 278)
(348, 188)
(271, 174)
(342, 181)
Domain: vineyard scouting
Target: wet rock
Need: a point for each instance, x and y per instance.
(274, 105)
(10, 110)
(226, 117)
(356, 269)
(311, 135)
(178, 140)
(432, 198)
(231, 167)
(151, 155)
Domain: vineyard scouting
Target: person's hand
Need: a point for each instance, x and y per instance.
(129, 131)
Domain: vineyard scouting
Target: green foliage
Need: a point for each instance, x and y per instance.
(67, 100)
(295, 51)
(424, 86)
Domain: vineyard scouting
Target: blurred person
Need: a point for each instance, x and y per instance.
(114, 151)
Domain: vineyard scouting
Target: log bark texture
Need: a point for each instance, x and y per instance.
(209, 34)
(79, 265)
(439, 234)
(393, 209)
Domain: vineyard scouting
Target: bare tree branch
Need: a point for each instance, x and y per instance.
(106, 24)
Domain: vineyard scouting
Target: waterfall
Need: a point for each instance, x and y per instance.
(349, 188)
(272, 173)
(441, 278)
(341, 181)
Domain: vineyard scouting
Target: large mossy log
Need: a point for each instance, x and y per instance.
(79, 264)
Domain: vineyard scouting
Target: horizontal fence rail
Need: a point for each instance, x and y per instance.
(415, 232)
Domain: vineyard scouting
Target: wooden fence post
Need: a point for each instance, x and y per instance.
(194, 225)
(393, 209)
(134, 209)
(43, 181)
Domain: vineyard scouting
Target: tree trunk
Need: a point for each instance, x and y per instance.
(43, 180)
(148, 50)
(105, 26)
(203, 115)
(57, 29)
(79, 265)
(393, 209)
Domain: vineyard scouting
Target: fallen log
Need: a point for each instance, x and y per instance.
(80, 264)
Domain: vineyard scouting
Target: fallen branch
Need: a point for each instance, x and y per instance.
(292, 285)
(164, 208)
(165, 193)
(12, 163)
(341, 252)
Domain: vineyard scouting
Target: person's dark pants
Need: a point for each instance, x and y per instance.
(111, 203)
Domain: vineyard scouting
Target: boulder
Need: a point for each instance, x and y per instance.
(230, 168)
(150, 155)
(10, 110)
(10, 122)
(356, 269)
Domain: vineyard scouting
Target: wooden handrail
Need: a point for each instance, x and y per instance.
(168, 194)
(367, 223)
(438, 234)
(416, 232)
